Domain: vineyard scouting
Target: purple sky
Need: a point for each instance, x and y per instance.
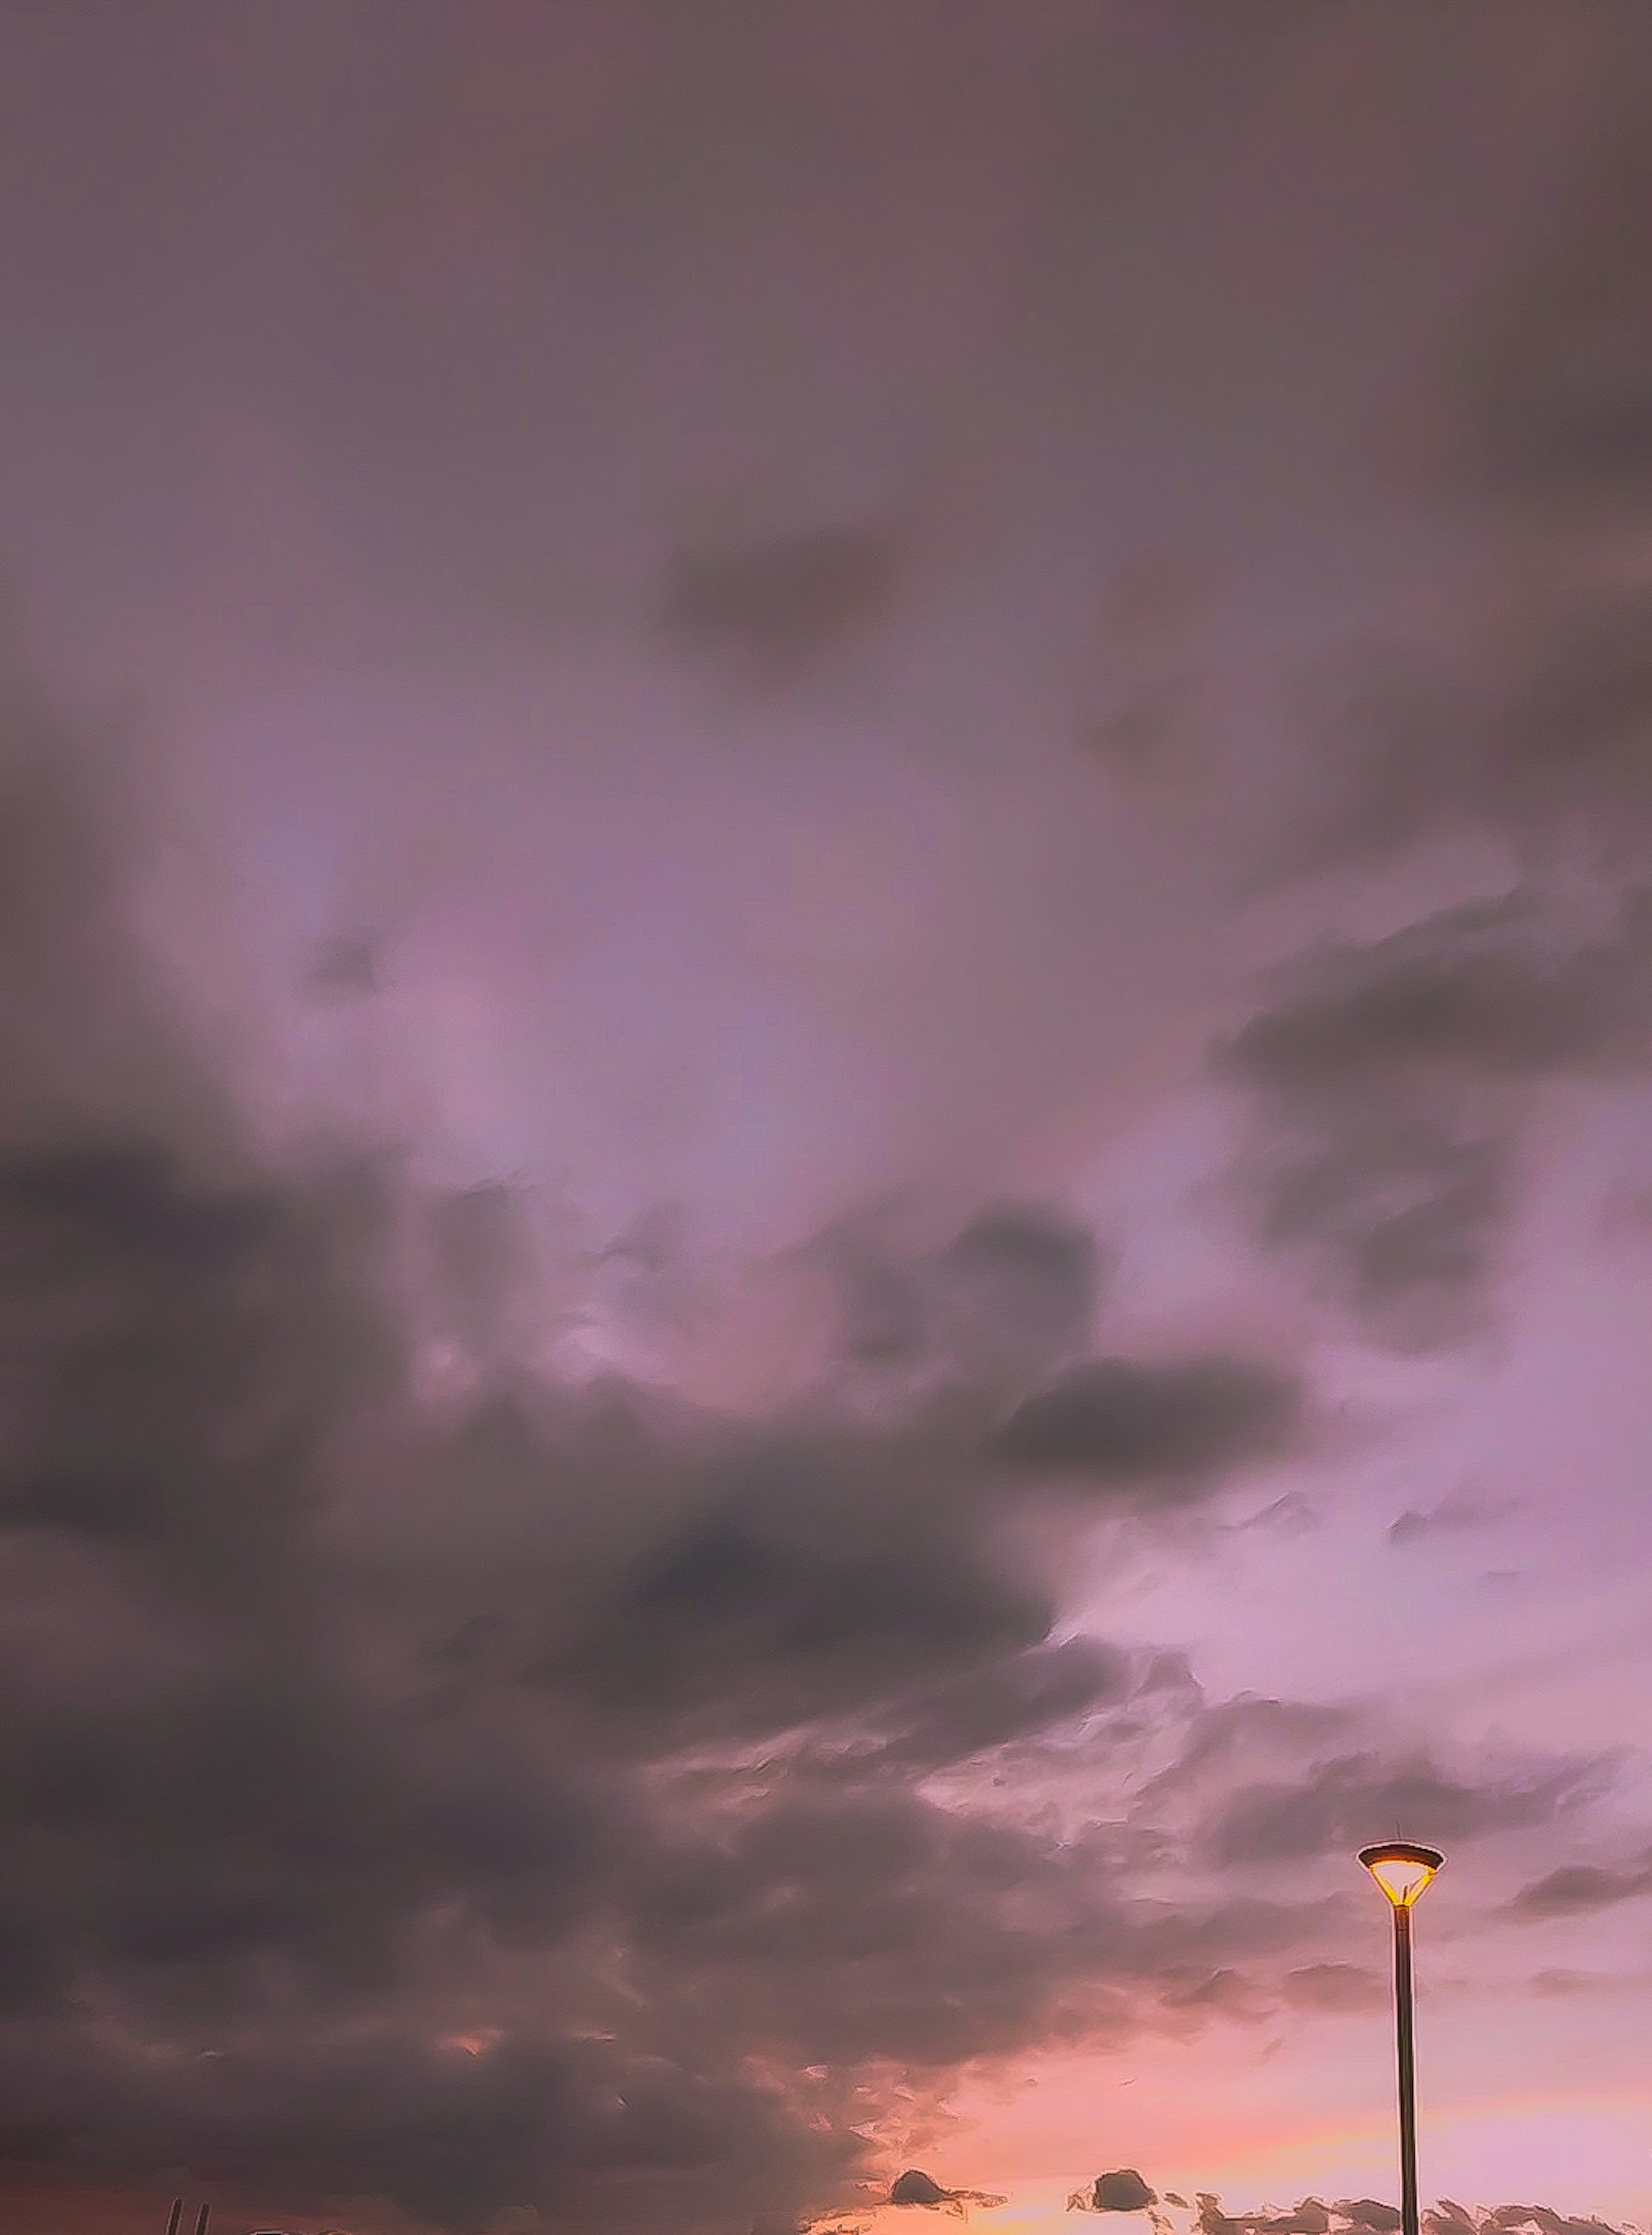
(825, 1190)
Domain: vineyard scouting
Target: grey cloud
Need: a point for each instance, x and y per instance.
(1390, 1082)
(1556, 1985)
(1394, 1082)
(482, 1255)
(1535, 731)
(1579, 1889)
(1366, 2215)
(1534, 722)
(1012, 1293)
(1334, 1987)
(349, 1733)
(1123, 2191)
(1542, 2217)
(1223, 1993)
(1015, 1698)
(854, 1925)
(1019, 1279)
(525, 2122)
(1310, 2217)
(1481, 990)
(346, 967)
(1353, 1798)
(1548, 405)
(916, 2187)
(779, 607)
(813, 1573)
(1454, 1515)
(1115, 1422)
(816, 1580)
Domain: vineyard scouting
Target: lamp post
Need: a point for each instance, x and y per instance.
(1404, 1871)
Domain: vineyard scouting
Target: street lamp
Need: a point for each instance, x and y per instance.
(1404, 1871)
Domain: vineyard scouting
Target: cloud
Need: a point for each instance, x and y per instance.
(1527, 712)
(1123, 2191)
(1479, 990)
(355, 1729)
(1310, 2217)
(780, 607)
(1391, 1081)
(1458, 1513)
(917, 2188)
(346, 969)
(1366, 2215)
(1578, 1890)
(1334, 1987)
(1542, 2217)
(1115, 1422)
(1011, 1698)
(1014, 1292)
(1394, 1082)
(1353, 1798)
(1544, 406)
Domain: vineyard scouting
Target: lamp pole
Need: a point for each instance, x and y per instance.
(1404, 2026)
(1403, 1871)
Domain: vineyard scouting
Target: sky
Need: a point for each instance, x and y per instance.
(825, 1074)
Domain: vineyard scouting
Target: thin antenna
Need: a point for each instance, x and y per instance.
(201, 2224)
(177, 2214)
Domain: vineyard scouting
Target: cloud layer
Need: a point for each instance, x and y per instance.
(525, 1796)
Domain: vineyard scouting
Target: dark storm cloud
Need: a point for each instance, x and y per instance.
(1579, 1889)
(1118, 1422)
(807, 1571)
(779, 607)
(845, 1926)
(1392, 1079)
(584, 2128)
(346, 1730)
(841, 1925)
(1014, 1698)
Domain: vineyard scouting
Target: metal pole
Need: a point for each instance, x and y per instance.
(177, 2214)
(1407, 2070)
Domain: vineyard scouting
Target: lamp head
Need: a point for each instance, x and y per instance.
(1403, 1871)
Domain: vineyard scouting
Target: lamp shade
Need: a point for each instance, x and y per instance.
(1403, 1871)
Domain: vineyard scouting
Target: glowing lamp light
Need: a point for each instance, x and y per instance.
(1403, 1871)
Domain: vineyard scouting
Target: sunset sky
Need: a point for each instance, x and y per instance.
(825, 1105)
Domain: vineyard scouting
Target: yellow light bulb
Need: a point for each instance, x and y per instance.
(1403, 1871)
